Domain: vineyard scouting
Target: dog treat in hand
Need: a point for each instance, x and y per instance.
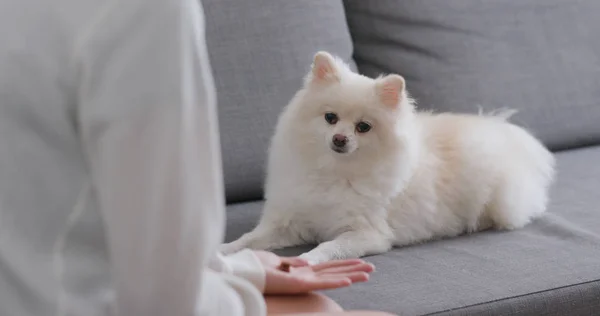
(284, 266)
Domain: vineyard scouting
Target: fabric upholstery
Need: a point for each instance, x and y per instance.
(260, 51)
(551, 267)
(581, 299)
(539, 57)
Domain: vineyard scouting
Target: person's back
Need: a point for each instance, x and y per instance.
(43, 176)
(110, 170)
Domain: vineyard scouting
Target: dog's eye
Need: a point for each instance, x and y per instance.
(363, 127)
(331, 118)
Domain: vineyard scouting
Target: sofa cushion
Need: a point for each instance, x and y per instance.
(551, 267)
(540, 57)
(260, 51)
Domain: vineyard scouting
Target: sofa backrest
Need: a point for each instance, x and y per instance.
(260, 51)
(541, 57)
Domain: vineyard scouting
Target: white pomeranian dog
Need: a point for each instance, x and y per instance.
(355, 168)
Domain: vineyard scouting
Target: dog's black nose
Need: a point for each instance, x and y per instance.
(340, 140)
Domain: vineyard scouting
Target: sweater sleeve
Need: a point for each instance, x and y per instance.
(243, 264)
(147, 115)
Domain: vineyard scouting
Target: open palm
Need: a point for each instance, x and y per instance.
(303, 278)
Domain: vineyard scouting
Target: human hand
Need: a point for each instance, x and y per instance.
(304, 278)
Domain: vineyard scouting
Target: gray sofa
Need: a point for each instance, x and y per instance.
(541, 57)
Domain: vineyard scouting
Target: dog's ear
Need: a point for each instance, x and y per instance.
(390, 90)
(324, 68)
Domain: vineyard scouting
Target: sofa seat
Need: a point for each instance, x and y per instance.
(551, 267)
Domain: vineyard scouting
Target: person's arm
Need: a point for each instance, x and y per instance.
(147, 115)
(244, 264)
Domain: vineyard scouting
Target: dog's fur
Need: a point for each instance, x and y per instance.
(413, 177)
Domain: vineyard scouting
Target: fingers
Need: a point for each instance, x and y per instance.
(336, 263)
(361, 267)
(305, 278)
(294, 261)
(278, 282)
(328, 283)
(353, 276)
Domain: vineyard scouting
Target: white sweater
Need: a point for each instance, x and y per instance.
(111, 196)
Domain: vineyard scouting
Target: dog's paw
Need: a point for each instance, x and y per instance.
(313, 258)
(229, 248)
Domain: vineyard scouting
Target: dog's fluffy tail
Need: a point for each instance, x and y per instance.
(503, 114)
